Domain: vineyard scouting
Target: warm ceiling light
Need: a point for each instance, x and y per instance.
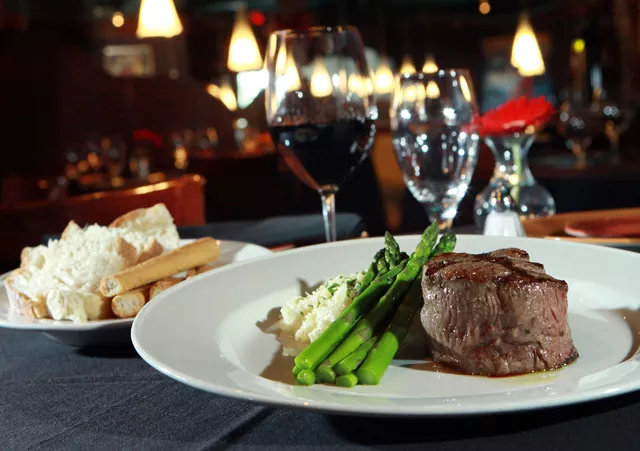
(525, 54)
(367, 87)
(578, 45)
(158, 18)
(464, 87)
(429, 66)
(244, 53)
(320, 80)
(225, 94)
(291, 74)
(409, 94)
(281, 62)
(355, 85)
(117, 19)
(384, 78)
(407, 66)
(484, 7)
(432, 91)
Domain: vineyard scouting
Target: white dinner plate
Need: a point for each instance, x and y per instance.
(213, 333)
(110, 331)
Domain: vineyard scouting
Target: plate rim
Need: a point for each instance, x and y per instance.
(588, 395)
(53, 325)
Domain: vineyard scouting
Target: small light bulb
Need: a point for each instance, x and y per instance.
(484, 7)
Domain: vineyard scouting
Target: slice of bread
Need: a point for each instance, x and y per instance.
(61, 280)
(77, 306)
(155, 222)
(19, 302)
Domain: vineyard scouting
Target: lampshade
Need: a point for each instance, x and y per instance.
(355, 85)
(429, 66)
(291, 74)
(525, 54)
(432, 91)
(407, 66)
(464, 87)
(158, 18)
(320, 80)
(244, 53)
(384, 78)
(225, 94)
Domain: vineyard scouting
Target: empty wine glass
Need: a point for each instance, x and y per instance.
(617, 119)
(320, 109)
(435, 138)
(579, 123)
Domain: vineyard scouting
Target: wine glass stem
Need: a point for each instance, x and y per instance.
(329, 214)
(443, 224)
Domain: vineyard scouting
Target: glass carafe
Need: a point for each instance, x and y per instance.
(512, 171)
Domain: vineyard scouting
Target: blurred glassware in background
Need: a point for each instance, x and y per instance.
(188, 144)
(97, 155)
(504, 216)
(512, 171)
(617, 118)
(114, 154)
(579, 123)
(140, 162)
(435, 138)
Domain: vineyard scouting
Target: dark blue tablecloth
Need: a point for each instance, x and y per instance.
(61, 398)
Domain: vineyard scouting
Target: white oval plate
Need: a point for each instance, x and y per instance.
(211, 333)
(110, 331)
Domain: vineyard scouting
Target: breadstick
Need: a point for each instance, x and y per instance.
(199, 270)
(127, 305)
(198, 253)
(205, 268)
(162, 285)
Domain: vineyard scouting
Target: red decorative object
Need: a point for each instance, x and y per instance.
(257, 18)
(515, 116)
(143, 134)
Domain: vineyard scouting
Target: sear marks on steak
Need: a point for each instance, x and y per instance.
(495, 314)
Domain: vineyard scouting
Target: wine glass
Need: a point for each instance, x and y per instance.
(618, 117)
(435, 138)
(579, 123)
(320, 107)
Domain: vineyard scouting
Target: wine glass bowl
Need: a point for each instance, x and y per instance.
(617, 119)
(319, 108)
(578, 125)
(435, 138)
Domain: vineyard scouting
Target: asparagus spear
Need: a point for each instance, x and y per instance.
(351, 363)
(347, 380)
(446, 244)
(306, 377)
(379, 358)
(325, 373)
(328, 373)
(372, 272)
(382, 265)
(384, 308)
(309, 376)
(315, 353)
(392, 249)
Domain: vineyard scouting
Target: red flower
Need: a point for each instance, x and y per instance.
(515, 116)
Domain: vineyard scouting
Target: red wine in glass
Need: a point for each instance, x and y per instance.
(320, 112)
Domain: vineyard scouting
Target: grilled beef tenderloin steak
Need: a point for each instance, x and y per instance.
(495, 314)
